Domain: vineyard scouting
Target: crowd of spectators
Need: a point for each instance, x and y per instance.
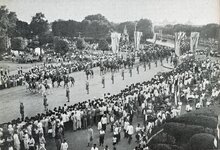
(194, 83)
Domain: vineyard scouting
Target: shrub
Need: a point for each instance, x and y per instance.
(201, 141)
(161, 147)
(196, 119)
(182, 132)
(163, 138)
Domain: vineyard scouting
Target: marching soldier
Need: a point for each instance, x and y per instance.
(45, 103)
(149, 64)
(145, 66)
(87, 87)
(130, 71)
(68, 93)
(137, 69)
(112, 78)
(22, 111)
(123, 74)
(103, 82)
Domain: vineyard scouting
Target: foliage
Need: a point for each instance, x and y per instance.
(39, 25)
(18, 43)
(22, 29)
(7, 21)
(61, 46)
(103, 45)
(68, 28)
(161, 147)
(206, 31)
(201, 141)
(196, 119)
(3, 45)
(145, 26)
(163, 138)
(80, 43)
(45, 38)
(130, 28)
(182, 132)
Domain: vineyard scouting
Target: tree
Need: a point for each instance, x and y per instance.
(103, 45)
(39, 25)
(130, 28)
(18, 43)
(80, 43)
(22, 29)
(7, 21)
(61, 46)
(145, 26)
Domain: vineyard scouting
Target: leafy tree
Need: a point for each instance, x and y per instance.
(18, 43)
(103, 45)
(130, 28)
(7, 21)
(3, 44)
(39, 25)
(61, 46)
(145, 26)
(22, 29)
(80, 43)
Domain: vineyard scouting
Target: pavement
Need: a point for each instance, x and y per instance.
(33, 103)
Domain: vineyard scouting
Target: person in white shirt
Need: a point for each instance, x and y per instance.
(188, 108)
(94, 147)
(130, 130)
(64, 145)
(99, 125)
(104, 121)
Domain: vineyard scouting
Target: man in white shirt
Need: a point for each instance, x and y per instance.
(94, 147)
(104, 121)
(130, 131)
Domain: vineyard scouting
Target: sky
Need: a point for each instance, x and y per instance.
(198, 12)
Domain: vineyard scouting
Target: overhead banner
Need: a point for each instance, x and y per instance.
(115, 38)
(179, 36)
(137, 39)
(194, 39)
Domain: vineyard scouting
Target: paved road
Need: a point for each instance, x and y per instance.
(33, 103)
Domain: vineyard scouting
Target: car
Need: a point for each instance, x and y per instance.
(215, 53)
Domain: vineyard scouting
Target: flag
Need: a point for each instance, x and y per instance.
(137, 39)
(115, 39)
(194, 39)
(179, 36)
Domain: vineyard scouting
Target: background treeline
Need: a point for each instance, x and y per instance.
(39, 32)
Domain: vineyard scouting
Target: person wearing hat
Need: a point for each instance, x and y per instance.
(67, 93)
(45, 103)
(22, 111)
(87, 87)
(103, 82)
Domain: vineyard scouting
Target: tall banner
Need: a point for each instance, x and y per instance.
(137, 39)
(179, 36)
(115, 39)
(194, 39)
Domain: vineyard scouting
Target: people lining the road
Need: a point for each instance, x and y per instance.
(154, 101)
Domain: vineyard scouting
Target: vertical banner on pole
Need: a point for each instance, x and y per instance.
(137, 39)
(178, 38)
(115, 39)
(194, 39)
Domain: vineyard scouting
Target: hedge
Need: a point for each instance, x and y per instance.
(195, 119)
(201, 141)
(182, 132)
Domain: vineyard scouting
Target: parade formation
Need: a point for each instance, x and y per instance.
(99, 85)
